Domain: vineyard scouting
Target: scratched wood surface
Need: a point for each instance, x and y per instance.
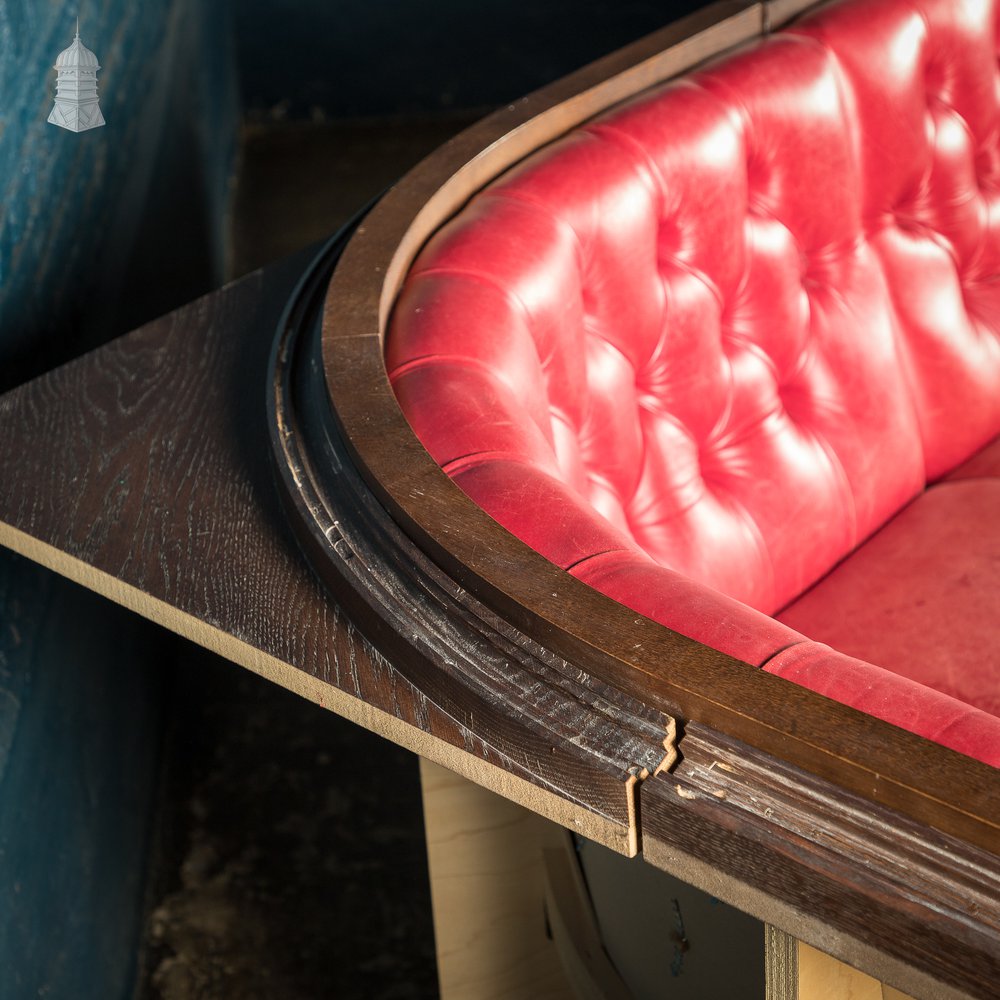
(142, 471)
(913, 907)
(686, 679)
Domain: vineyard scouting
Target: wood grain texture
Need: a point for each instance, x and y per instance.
(824, 978)
(778, 13)
(674, 674)
(551, 722)
(485, 856)
(142, 470)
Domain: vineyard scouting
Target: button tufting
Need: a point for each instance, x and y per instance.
(713, 330)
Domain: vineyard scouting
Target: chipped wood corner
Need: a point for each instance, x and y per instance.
(670, 752)
(637, 775)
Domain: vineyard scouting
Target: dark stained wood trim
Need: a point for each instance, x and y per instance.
(929, 903)
(679, 677)
(554, 725)
(143, 472)
(801, 851)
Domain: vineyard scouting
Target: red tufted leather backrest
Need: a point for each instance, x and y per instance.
(734, 325)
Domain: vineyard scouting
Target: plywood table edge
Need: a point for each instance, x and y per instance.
(328, 696)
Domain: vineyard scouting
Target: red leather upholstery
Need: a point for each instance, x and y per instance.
(921, 610)
(702, 348)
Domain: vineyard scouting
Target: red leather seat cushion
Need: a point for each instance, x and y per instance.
(921, 598)
(985, 464)
(727, 330)
(892, 697)
(733, 309)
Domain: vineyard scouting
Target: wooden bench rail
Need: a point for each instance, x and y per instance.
(676, 675)
(910, 784)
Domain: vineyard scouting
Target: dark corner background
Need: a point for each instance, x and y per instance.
(170, 826)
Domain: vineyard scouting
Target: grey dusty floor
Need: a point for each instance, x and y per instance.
(287, 866)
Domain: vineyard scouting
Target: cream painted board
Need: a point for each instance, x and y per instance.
(487, 890)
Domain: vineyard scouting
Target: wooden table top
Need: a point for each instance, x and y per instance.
(143, 471)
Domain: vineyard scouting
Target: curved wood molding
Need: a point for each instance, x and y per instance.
(646, 661)
(845, 883)
(142, 471)
(554, 725)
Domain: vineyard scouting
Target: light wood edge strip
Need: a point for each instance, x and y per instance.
(670, 752)
(550, 124)
(777, 13)
(781, 964)
(371, 270)
(355, 309)
(797, 923)
(553, 807)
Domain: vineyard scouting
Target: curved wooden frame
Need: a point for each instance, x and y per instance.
(141, 471)
(861, 814)
(679, 676)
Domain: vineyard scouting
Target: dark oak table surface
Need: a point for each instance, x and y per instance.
(142, 470)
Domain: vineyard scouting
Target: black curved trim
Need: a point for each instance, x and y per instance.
(522, 706)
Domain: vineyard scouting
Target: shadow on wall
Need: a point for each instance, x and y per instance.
(304, 57)
(103, 229)
(358, 59)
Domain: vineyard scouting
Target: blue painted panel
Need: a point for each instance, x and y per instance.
(79, 739)
(73, 205)
(99, 231)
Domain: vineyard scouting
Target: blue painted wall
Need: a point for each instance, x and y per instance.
(99, 231)
(79, 741)
(77, 210)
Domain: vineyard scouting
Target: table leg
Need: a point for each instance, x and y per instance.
(487, 890)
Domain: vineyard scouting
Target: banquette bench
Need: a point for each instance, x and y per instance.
(687, 368)
(718, 348)
(732, 350)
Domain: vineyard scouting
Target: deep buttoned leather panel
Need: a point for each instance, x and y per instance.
(746, 317)
(730, 328)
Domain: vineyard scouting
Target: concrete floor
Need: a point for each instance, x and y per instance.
(283, 870)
